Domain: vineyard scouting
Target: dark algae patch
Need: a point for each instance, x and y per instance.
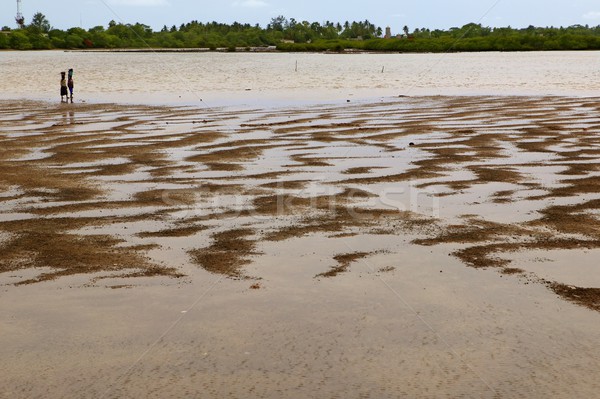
(344, 261)
(588, 297)
(228, 253)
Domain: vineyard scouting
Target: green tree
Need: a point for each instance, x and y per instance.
(40, 23)
(3, 41)
(40, 41)
(74, 41)
(278, 23)
(19, 41)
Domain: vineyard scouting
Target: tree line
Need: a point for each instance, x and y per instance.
(292, 35)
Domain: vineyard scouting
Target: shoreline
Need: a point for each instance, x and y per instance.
(273, 49)
(270, 101)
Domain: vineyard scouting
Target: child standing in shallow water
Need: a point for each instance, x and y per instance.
(63, 88)
(70, 84)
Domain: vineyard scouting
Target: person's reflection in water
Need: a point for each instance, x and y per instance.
(67, 117)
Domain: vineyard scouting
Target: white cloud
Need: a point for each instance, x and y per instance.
(250, 3)
(593, 15)
(139, 3)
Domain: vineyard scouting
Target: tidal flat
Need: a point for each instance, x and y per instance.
(430, 246)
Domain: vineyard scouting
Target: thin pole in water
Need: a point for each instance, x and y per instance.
(296, 70)
(382, 68)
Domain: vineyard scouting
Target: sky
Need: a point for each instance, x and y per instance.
(433, 14)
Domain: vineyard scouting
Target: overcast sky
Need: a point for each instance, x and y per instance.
(433, 14)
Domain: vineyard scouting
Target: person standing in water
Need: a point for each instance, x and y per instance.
(70, 84)
(63, 88)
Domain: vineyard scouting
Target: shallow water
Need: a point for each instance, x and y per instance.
(430, 328)
(212, 79)
(405, 321)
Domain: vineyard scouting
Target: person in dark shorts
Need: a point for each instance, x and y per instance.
(63, 88)
(70, 84)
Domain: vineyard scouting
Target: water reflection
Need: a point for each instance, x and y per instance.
(68, 116)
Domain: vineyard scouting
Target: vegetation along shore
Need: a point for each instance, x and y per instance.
(284, 34)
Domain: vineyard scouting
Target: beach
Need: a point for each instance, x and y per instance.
(426, 246)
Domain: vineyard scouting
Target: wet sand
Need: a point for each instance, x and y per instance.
(428, 246)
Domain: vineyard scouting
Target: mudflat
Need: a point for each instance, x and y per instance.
(332, 249)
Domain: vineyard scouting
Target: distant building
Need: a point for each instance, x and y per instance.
(388, 33)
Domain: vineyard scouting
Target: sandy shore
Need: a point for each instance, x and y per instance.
(332, 250)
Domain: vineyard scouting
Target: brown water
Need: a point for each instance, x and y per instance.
(267, 79)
